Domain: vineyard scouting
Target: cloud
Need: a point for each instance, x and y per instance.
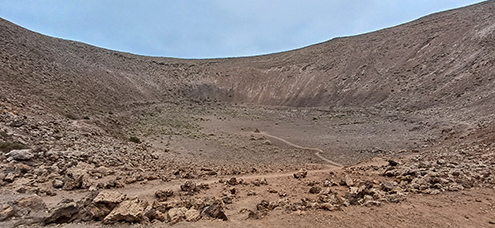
(214, 28)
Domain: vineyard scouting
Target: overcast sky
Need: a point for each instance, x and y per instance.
(213, 28)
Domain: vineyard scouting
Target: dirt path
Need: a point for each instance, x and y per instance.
(317, 150)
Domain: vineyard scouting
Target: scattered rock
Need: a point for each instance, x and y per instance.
(441, 162)
(263, 205)
(215, 211)
(392, 162)
(330, 183)
(300, 174)
(395, 198)
(329, 207)
(189, 186)
(70, 183)
(161, 216)
(455, 187)
(372, 203)
(253, 214)
(232, 181)
(348, 181)
(10, 177)
(193, 215)
(163, 195)
(57, 183)
(227, 200)
(388, 186)
(315, 190)
(352, 198)
(271, 190)
(176, 215)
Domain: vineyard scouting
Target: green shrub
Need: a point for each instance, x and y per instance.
(8, 146)
(71, 116)
(134, 139)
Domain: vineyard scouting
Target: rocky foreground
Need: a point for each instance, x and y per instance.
(91, 175)
(368, 185)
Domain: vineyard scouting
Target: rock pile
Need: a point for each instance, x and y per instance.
(111, 207)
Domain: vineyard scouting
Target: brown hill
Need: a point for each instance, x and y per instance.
(442, 63)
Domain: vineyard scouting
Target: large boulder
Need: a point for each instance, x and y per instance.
(6, 211)
(78, 177)
(98, 210)
(215, 211)
(30, 204)
(176, 214)
(300, 174)
(193, 215)
(63, 213)
(130, 211)
(111, 198)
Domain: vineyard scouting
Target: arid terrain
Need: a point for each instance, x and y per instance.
(393, 128)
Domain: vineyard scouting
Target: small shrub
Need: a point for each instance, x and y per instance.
(8, 146)
(71, 116)
(86, 117)
(134, 139)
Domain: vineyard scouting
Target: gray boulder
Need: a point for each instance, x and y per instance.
(19, 155)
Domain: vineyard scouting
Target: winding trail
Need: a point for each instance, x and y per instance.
(137, 189)
(318, 151)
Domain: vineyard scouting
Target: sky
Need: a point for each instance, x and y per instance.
(213, 28)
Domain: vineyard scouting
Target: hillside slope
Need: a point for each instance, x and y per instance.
(439, 64)
(445, 60)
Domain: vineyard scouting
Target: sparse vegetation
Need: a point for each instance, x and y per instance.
(134, 139)
(173, 122)
(71, 116)
(8, 146)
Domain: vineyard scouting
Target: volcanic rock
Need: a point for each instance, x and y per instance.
(192, 215)
(315, 190)
(300, 174)
(215, 211)
(189, 186)
(163, 195)
(176, 215)
(63, 212)
(111, 198)
(6, 211)
(26, 205)
(129, 211)
(57, 183)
